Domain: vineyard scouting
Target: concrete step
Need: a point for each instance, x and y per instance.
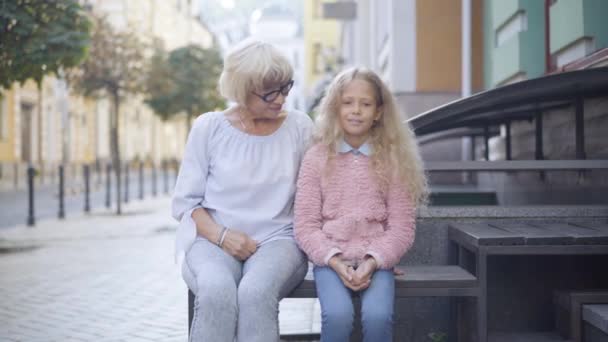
(545, 336)
(595, 318)
(462, 196)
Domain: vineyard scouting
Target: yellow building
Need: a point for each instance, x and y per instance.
(73, 130)
(7, 122)
(321, 44)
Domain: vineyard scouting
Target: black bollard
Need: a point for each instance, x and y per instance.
(31, 172)
(127, 182)
(108, 185)
(61, 213)
(141, 180)
(98, 173)
(154, 179)
(87, 178)
(166, 176)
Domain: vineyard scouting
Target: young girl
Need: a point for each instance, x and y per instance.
(356, 198)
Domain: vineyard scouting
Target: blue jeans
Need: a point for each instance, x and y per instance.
(337, 313)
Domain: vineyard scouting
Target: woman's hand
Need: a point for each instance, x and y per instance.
(363, 275)
(239, 244)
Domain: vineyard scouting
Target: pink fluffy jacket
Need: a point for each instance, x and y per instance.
(345, 211)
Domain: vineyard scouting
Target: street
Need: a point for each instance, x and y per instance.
(104, 278)
(14, 203)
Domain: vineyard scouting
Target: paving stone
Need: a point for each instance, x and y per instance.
(105, 278)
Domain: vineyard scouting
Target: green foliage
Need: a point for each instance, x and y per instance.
(159, 87)
(115, 67)
(438, 336)
(184, 81)
(115, 64)
(40, 37)
(195, 73)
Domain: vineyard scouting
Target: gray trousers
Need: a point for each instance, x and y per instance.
(239, 301)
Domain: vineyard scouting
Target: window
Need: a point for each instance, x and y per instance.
(317, 58)
(517, 23)
(317, 9)
(575, 51)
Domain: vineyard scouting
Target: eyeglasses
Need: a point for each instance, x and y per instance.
(272, 95)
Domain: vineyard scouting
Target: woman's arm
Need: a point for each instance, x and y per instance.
(190, 191)
(237, 244)
(191, 180)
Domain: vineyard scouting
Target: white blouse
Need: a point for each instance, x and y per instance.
(246, 182)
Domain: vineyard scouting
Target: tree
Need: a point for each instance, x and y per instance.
(184, 82)
(38, 38)
(114, 67)
(159, 85)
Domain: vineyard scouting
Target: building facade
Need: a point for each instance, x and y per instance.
(414, 45)
(527, 39)
(322, 58)
(54, 126)
(281, 27)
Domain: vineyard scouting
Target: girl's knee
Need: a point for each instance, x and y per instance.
(377, 315)
(338, 317)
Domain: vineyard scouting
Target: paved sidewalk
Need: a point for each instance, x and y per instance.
(104, 278)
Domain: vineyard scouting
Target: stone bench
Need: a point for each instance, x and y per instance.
(569, 310)
(418, 281)
(595, 318)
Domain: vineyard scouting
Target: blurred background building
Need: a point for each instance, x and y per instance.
(430, 52)
(74, 130)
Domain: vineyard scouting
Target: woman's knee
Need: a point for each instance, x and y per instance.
(257, 295)
(216, 292)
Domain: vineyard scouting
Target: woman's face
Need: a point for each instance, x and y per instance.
(268, 103)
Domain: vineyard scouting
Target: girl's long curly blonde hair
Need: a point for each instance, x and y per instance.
(395, 151)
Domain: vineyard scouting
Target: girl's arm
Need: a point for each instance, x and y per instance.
(400, 231)
(308, 205)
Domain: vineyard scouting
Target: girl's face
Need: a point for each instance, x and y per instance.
(358, 111)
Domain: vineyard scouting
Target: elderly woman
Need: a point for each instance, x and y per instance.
(234, 200)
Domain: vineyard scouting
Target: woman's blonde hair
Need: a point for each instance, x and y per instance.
(252, 66)
(395, 151)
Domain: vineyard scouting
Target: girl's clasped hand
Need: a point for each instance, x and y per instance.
(356, 279)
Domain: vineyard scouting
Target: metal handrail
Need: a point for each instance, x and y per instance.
(517, 165)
